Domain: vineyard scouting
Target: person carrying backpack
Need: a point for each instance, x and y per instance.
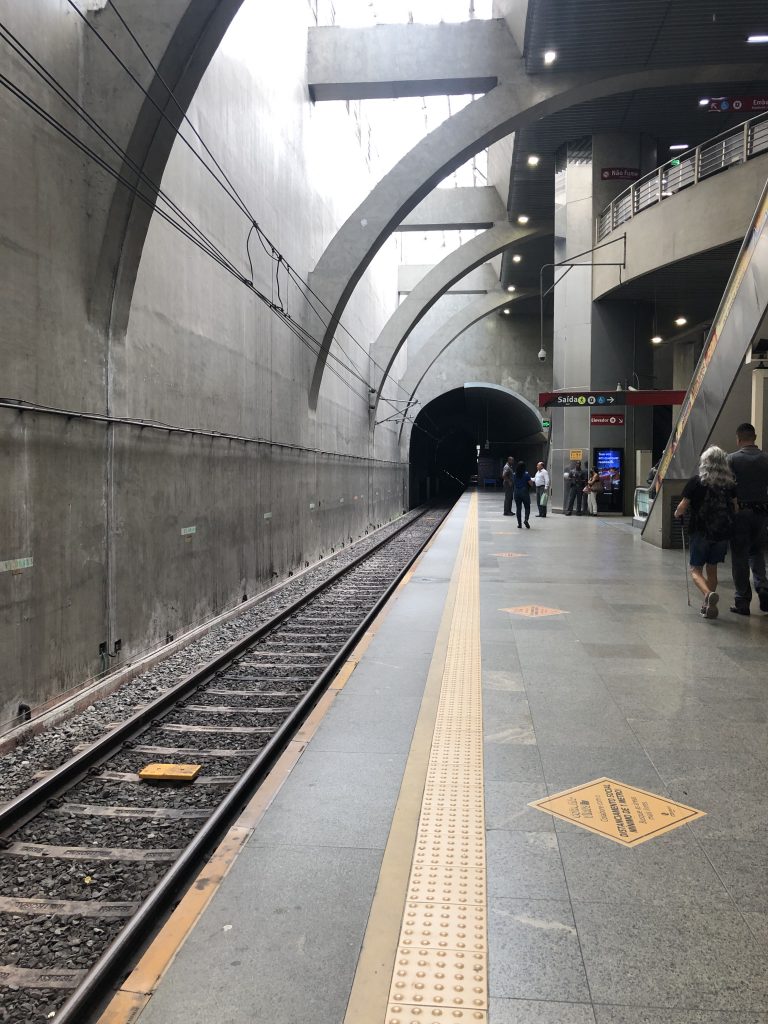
(711, 497)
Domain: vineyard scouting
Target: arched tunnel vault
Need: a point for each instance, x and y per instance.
(513, 104)
(445, 436)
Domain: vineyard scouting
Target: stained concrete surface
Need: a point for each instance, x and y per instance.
(581, 930)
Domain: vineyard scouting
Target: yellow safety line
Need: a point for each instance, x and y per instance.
(136, 991)
(440, 971)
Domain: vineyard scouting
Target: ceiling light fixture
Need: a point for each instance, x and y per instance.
(550, 56)
(681, 321)
(680, 145)
(516, 258)
(657, 339)
(523, 219)
(506, 311)
(533, 160)
(750, 39)
(510, 287)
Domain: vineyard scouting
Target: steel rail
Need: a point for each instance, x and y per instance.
(113, 965)
(31, 801)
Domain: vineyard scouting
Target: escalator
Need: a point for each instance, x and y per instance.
(739, 318)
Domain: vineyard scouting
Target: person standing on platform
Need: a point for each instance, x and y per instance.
(541, 479)
(595, 485)
(506, 481)
(577, 479)
(711, 497)
(750, 532)
(522, 492)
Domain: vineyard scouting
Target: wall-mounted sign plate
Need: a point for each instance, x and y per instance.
(625, 814)
(16, 564)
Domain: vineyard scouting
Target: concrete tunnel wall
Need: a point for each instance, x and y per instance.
(100, 509)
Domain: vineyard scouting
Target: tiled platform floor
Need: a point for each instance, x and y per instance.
(628, 683)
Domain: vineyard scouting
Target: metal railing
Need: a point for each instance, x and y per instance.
(735, 146)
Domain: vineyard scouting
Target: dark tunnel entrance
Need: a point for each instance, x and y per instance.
(468, 432)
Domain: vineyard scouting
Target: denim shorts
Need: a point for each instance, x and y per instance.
(707, 552)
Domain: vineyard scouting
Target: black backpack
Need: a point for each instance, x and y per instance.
(716, 514)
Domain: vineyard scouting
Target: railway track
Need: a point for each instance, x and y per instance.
(92, 859)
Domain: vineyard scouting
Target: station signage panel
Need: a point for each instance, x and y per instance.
(571, 399)
(620, 173)
(737, 104)
(606, 419)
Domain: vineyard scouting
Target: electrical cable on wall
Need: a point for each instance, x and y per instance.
(185, 226)
(226, 184)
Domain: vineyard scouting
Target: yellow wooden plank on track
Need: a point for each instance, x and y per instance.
(136, 991)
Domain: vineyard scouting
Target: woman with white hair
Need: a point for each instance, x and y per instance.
(711, 497)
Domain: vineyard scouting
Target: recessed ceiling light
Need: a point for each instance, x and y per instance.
(703, 102)
(657, 339)
(507, 312)
(516, 258)
(550, 56)
(523, 219)
(510, 287)
(680, 145)
(681, 321)
(533, 160)
(750, 39)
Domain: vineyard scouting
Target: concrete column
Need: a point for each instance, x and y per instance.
(596, 345)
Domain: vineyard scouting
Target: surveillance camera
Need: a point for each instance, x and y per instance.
(542, 355)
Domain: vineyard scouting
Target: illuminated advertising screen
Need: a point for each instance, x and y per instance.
(609, 463)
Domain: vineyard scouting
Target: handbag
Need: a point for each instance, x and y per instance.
(544, 499)
(586, 489)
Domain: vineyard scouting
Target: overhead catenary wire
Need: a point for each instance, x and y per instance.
(185, 225)
(42, 72)
(224, 181)
(300, 332)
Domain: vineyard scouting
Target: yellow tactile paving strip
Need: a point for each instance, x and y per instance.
(441, 964)
(136, 991)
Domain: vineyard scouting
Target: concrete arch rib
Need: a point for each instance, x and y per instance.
(440, 278)
(513, 105)
(186, 36)
(450, 331)
(529, 411)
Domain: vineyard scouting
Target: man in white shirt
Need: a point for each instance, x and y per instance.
(542, 487)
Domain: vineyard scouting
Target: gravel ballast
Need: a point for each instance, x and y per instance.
(56, 745)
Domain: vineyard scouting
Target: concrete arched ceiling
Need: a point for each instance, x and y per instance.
(515, 103)
(427, 355)
(437, 282)
(477, 406)
(181, 36)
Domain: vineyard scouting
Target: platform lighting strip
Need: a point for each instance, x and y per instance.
(440, 971)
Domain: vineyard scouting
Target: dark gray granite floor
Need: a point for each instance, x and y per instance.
(629, 683)
(634, 685)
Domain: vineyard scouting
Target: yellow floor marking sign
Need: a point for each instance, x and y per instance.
(533, 611)
(440, 970)
(627, 815)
